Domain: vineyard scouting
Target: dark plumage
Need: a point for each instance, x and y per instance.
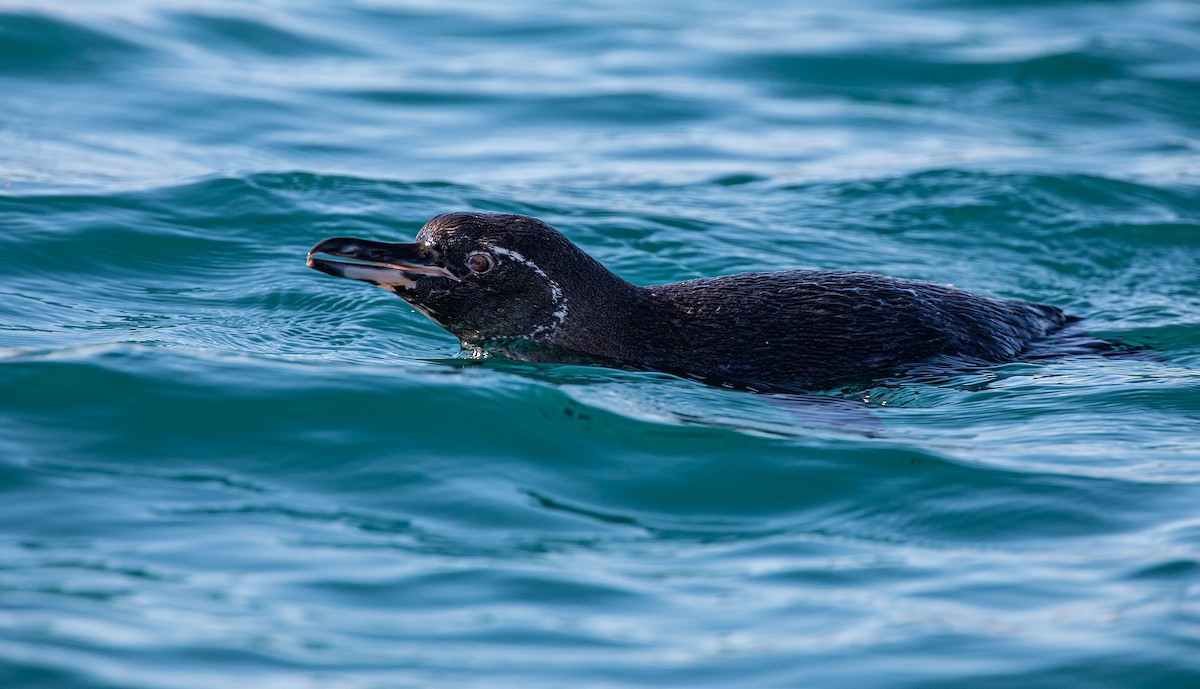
(514, 284)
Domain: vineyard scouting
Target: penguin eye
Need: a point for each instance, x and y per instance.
(480, 262)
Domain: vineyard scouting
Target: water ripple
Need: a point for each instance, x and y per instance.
(216, 463)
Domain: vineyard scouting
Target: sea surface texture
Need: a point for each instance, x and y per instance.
(219, 468)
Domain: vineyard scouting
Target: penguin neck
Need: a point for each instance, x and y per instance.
(602, 312)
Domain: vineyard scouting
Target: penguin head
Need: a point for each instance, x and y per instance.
(482, 276)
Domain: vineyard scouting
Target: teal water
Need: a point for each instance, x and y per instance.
(219, 468)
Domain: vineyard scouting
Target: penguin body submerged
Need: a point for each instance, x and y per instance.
(513, 283)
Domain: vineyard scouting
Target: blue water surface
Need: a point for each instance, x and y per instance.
(221, 469)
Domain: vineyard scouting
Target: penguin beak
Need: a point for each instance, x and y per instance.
(390, 266)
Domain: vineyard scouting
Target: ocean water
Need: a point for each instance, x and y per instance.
(221, 469)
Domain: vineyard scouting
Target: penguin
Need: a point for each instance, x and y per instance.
(511, 284)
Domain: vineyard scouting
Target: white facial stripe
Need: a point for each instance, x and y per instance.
(556, 293)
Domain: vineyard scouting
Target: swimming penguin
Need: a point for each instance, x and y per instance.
(513, 284)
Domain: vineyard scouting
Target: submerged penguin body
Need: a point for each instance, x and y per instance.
(818, 328)
(512, 283)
